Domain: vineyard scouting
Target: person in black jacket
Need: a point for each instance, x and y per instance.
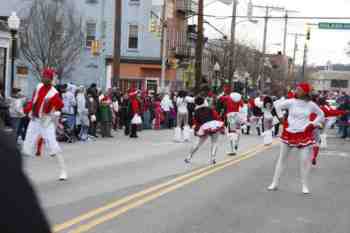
(19, 204)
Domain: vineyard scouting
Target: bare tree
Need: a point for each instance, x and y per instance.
(247, 57)
(51, 36)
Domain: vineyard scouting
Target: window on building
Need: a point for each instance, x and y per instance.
(340, 83)
(134, 1)
(133, 36)
(22, 70)
(90, 33)
(59, 30)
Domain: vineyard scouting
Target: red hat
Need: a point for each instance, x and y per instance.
(290, 95)
(305, 87)
(132, 92)
(105, 98)
(210, 94)
(48, 73)
(227, 89)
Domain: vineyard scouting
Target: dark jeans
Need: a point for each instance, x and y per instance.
(127, 127)
(106, 129)
(133, 131)
(92, 129)
(167, 120)
(22, 128)
(277, 130)
(345, 131)
(15, 122)
(147, 120)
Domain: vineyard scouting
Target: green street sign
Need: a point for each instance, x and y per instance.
(334, 26)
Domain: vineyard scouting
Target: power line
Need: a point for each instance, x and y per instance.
(281, 17)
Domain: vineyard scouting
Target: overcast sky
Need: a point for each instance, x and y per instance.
(324, 45)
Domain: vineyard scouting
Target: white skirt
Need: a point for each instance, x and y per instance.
(211, 127)
(36, 130)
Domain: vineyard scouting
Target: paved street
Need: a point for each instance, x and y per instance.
(143, 186)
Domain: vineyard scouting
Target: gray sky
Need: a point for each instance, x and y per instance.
(324, 45)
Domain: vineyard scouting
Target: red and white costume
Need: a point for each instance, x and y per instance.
(320, 133)
(43, 110)
(298, 134)
(233, 104)
(207, 124)
(298, 130)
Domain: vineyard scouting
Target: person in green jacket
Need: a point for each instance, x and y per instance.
(106, 117)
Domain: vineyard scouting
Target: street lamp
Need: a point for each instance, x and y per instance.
(13, 23)
(216, 70)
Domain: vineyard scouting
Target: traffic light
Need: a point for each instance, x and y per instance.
(308, 33)
(153, 25)
(95, 48)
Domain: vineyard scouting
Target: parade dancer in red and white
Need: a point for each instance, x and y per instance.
(207, 124)
(43, 110)
(298, 134)
(233, 104)
(320, 132)
(182, 130)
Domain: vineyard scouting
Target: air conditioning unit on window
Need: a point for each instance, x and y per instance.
(91, 1)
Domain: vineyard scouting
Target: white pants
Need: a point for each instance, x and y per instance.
(234, 125)
(304, 166)
(234, 141)
(214, 138)
(37, 129)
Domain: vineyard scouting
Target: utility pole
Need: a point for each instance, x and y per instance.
(285, 34)
(296, 36)
(304, 61)
(164, 47)
(232, 66)
(199, 45)
(261, 64)
(117, 42)
(286, 30)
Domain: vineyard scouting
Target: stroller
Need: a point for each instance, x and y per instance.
(64, 132)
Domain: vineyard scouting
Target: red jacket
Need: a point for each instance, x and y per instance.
(230, 105)
(45, 100)
(328, 112)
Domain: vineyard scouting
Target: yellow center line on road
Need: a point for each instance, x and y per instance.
(154, 193)
(107, 207)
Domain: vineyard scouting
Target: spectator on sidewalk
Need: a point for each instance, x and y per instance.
(106, 116)
(16, 102)
(92, 106)
(70, 104)
(167, 105)
(82, 114)
(344, 121)
(146, 109)
(4, 111)
(134, 110)
(158, 114)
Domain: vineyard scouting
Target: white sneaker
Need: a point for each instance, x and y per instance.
(272, 187)
(63, 176)
(306, 190)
